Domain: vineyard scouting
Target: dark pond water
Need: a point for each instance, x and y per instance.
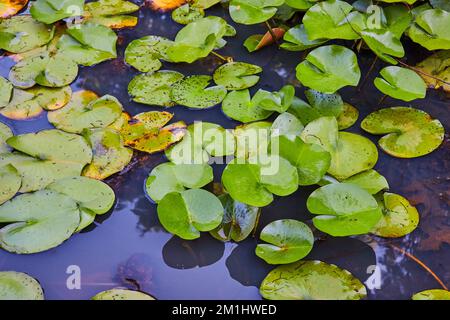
(129, 245)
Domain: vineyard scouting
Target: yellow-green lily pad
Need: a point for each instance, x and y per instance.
(433, 294)
(145, 53)
(10, 182)
(19, 286)
(122, 294)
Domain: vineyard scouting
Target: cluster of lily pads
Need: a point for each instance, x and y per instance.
(53, 177)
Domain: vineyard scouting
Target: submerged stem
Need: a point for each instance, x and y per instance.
(420, 263)
(368, 73)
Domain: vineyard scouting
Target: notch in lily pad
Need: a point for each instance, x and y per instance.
(238, 105)
(401, 83)
(237, 75)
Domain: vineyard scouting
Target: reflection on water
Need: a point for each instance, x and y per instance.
(128, 247)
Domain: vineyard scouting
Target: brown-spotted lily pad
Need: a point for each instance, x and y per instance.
(109, 153)
(437, 65)
(111, 13)
(122, 294)
(5, 134)
(10, 182)
(9, 8)
(348, 116)
(86, 111)
(433, 294)
(19, 286)
(147, 132)
(399, 217)
(6, 89)
(409, 132)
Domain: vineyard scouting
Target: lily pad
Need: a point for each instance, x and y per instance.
(278, 101)
(6, 90)
(5, 134)
(296, 39)
(238, 106)
(438, 65)
(343, 210)
(288, 241)
(433, 294)
(155, 88)
(347, 117)
(369, 180)
(237, 75)
(333, 19)
(86, 111)
(190, 212)
(311, 280)
(19, 286)
(286, 124)
(187, 14)
(322, 131)
(192, 92)
(145, 53)
(384, 44)
(10, 182)
(329, 68)
(109, 153)
(252, 141)
(253, 11)
(122, 294)
(399, 217)
(169, 177)
(401, 83)
(111, 13)
(9, 8)
(23, 33)
(50, 11)
(430, 29)
(238, 221)
(409, 132)
(37, 221)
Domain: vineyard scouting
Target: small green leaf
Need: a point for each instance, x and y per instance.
(286, 124)
(430, 29)
(238, 105)
(253, 11)
(433, 294)
(187, 14)
(122, 294)
(111, 13)
(369, 180)
(401, 83)
(10, 182)
(6, 90)
(384, 44)
(5, 134)
(297, 39)
(237, 75)
(145, 53)
(50, 11)
(19, 286)
(348, 116)
(278, 101)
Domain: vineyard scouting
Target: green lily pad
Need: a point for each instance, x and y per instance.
(286, 124)
(197, 39)
(155, 88)
(19, 286)
(5, 134)
(86, 111)
(145, 53)
(187, 14)
(169, 177)
(369, 180)
(10, 182)
(329, 68)
(22, 33)
(288, 241)
(253, 11)
(347, 117)
(401, 83)
(192, 92)
(409, 132)
(258, 41)
(238, 221)
(399, 217)
(88, 44)
(311, 280)
(433, 294)
(325, 104)
(384, 44)
(111, 13)
(322, 131)
(238, 105)
(37, 221)
(237, 75)
(202, 141)
(333, 19)
(50, 11)
(190, 212)
(109, 153)
(252, 141)
(122, 294)
(296, 39)
(430, 29)
(278, 101)
(6, 90)
(343, 210)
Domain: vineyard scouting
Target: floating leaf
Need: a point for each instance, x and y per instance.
(333, 19)
(300, 4)
(278, 101)
(88, 44)
(23, 33)
(19, 286)
(252, 141)
(329, 68)
(155, 88)
(297, 39)
(288, 241)
(238, 106)
(146, 132)
(38, 221)
(50, 11)
(9, 8)
(122, 294)
(438, 65)
(433, 294)
(343, 210)
(6, 90)
(5, 134)
(286, 124)
(10, 182)
(109, 153)
(111, 13)
(145, 53)
(409, 132)
(253, 11)
(259, 41)
(193, 92)
(384, 44)
(169, 177)
(369, 180)
(86, 111)
(348, 116)
(322, 131)
(238, 221)
(237, 75)
(399, 217)
(311, 280)
(187, 14)
(401, 83)
(188, 213)
(325, 104)
(430, 29)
